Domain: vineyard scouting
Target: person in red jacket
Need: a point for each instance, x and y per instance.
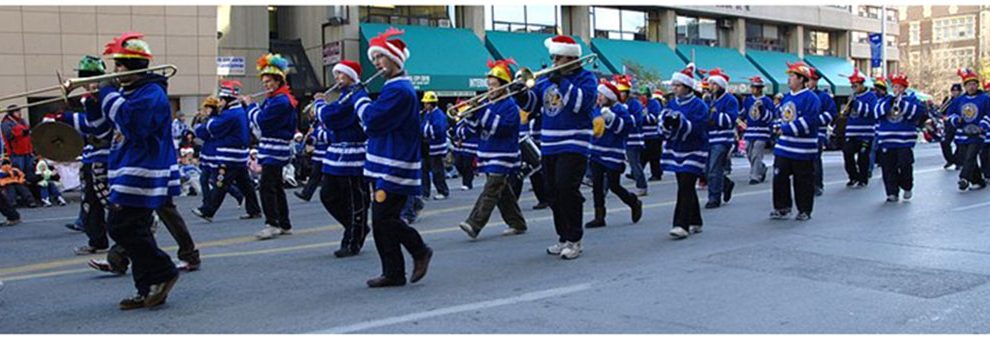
(17, 138)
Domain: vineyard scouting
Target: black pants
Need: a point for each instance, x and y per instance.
(130, 228)
(600, 176)
(433, 166)
(898, 173)
(971, 168)
(687, 211)
(564, 173)
(538, 181)
(985, 161)
(651, 156)
(94, 211)
(205, 184)
(346, 198)
(819, 171)
(951, 156)
(176, 226)
(315, 175)
(273, 202)
(856, 154)
(7, 208)
(234, 177)
(391, 234)
(803, 172)
(465, 168)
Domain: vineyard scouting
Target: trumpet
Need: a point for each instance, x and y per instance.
(336, 86)
(895, 110)
(65, 87)
(524, 76)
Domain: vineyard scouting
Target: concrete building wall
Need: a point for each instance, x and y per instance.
(37, 41)
(244, 32)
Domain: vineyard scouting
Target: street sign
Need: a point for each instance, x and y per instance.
(332, 52)
(230, 66)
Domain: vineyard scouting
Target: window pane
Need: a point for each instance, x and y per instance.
(633, 21)
(606, 18)
(542, 15)
(509, 14)
(706, 29)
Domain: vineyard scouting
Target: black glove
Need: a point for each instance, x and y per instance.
(554, 77)
(517, 87)
(671, 121)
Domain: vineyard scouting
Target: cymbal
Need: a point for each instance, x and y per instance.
(56, 141)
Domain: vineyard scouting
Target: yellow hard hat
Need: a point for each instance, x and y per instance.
(429, 97)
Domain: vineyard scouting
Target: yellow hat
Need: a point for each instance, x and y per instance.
(501, 69)
(429, 97)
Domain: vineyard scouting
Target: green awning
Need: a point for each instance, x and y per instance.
(739, 69)
(451, 62)
(652, 62)
(836, 71)
(774, 64)
(528, 49)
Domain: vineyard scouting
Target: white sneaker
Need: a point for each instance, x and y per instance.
(694, 229)
(891, 198)
(556, 248)
(907, 195)
(46, 203)
(268, 232)
(464, 188)
(61, 201)
(471, 233)
(572, 250)
(439, 197)
(512, 231)
(642, 192)
(678, 233)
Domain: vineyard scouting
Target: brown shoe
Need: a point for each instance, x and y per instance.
(420, 266)
(132, 302)
(159, 292)
(382, 281)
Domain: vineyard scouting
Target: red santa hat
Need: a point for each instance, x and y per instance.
(350, 68)
(685, 76)
(718, 77)
(229, 88)
(608, 89)
(563, 45)
(394, 49)
(756, 81)
(967, 74)
(901, 79)
(857, 77)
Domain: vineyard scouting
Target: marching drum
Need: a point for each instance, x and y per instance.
(530, 157)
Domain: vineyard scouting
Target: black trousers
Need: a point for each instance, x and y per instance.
(564, 173)
(346, 198)
(94, 212)
(176, 226)
(970, 167)
(130, 228)
(391, 234)
(856, 154)
(315, 176)
(233, 177)
(898, 173)
(273, 202)
(651, 156)
(538, 181)
(819, 170)
(985, 161)
(951, 156)
(687, 211)
(803, 173)
(465, 168)
(7, 208)
(433, 166)
(602, 177)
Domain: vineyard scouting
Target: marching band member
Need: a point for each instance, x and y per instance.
(757, 113)
(685, 124)
(825, 118)
(317, 136)
(880, 88)
(393, 161)
(724, 111)
(226, 137)
(435, 140)
(634, 141)
(607, 162)
(498, 155)
(276, 120)
(897, 134)
(566, 100)
(652, 138)
(951, 156)
(465, 153)
(797, 147)
(985, 152)
(345, 191)
(143, 171)
(966, 116)
(859, 132)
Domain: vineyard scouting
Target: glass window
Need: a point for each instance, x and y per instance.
(954, 29)
(407, 15)
(542, 18)
(914, 33)
(818, 43)
(696, 30)
(619, 24)
(764, 37)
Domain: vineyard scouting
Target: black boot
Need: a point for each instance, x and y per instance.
(599, 220)
(637, 210)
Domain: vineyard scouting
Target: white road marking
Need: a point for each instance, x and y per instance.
(957, 209)
(527, 297)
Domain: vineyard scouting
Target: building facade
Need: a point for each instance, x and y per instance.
(940, 39)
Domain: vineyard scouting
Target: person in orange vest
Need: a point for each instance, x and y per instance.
(12, 181)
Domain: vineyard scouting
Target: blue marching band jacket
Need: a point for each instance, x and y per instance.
(723, 114)
(758, 117)
(276, 119)
(226, 137)
(320, 141)
(635, 111)
(799, 114)
(92, 153)
(466, 143)
(609, 149)
(651, 120)
(392, 124)
(860, 122)
(686, 147)
(826, 116)
(142, 167)
(566, 112)
(897, 130)
(966, 113)
(434, 125)
(498, 130)
(347, 142)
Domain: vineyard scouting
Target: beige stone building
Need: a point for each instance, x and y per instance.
(940, 39)
(37, 41)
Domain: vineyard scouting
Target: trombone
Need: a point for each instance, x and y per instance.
(524, 76)
(336, 86)
(65, 87)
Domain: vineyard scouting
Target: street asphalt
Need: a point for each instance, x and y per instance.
(861, 265)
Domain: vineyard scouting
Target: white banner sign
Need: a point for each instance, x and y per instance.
(230, 66)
